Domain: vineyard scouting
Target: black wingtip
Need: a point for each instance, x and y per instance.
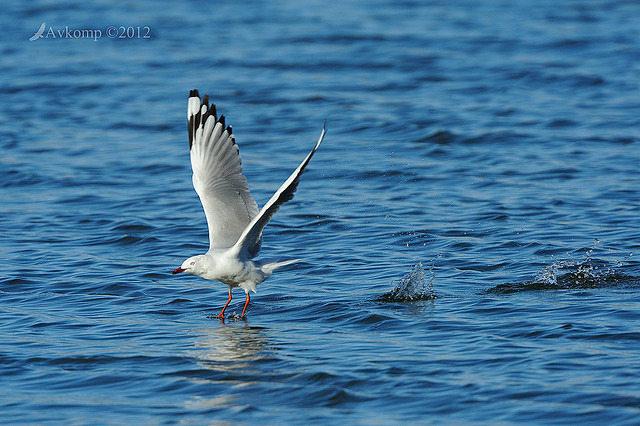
(194, 121)
(211, 111)
(199, 118)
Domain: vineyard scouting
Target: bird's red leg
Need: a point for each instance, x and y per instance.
(245, 305)
(221, 314)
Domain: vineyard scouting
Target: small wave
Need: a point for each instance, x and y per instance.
(413, 286)
(573, 274)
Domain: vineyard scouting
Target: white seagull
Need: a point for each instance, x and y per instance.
(235, 224)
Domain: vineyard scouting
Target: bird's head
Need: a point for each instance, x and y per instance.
(192, 265)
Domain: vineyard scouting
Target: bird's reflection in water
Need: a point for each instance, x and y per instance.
(231, 346)
(229, 356)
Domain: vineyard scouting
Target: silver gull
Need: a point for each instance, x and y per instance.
(235, 223)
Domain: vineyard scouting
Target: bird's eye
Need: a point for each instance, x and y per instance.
(192, 263)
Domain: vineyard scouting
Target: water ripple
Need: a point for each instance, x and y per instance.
(446, 226)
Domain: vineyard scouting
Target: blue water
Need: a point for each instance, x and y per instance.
(469, 228)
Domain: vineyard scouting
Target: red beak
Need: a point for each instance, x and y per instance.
(177, 271)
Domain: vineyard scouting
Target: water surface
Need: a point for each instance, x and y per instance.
(496, 144)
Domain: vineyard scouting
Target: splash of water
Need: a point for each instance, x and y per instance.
(413, 286)
(571, 273)
(587, 272)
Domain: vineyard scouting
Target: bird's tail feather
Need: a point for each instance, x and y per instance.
(269, 266)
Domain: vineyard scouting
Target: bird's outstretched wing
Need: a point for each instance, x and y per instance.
(253, 232)
(217, 176)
